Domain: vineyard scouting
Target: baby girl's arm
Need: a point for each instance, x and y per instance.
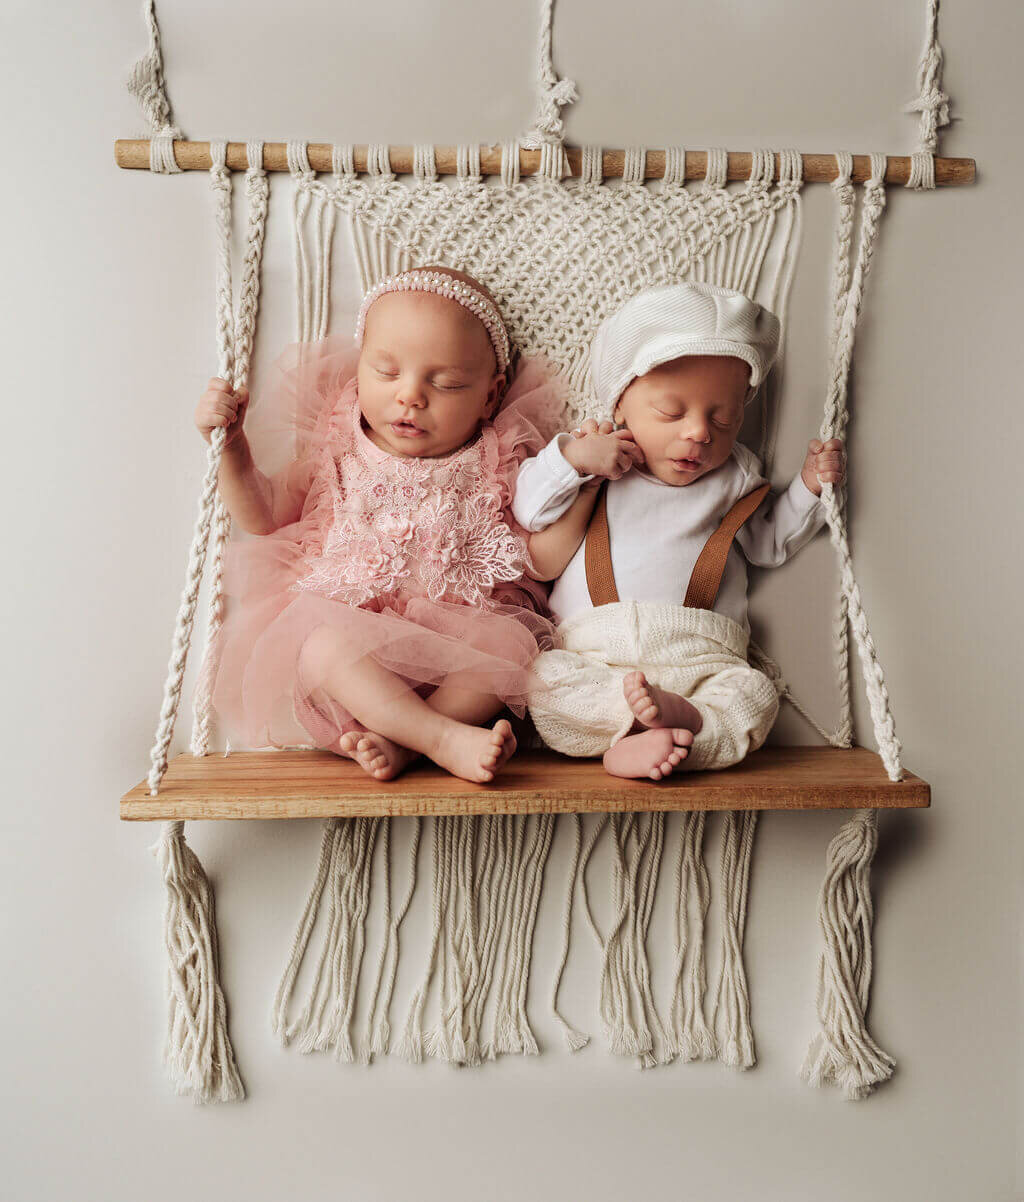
(246, 492)
(556, 491)
(552, 548)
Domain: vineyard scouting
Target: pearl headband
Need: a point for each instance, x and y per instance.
(450, 288)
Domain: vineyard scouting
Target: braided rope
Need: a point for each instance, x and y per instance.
(235, 336)
(846, 311)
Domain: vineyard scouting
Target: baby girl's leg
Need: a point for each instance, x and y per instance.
(654, 707)
(377, 754)
(473, 709)
(400, 719)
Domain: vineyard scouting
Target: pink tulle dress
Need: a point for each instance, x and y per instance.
(416, 562)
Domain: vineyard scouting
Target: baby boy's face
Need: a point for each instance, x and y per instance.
(686, 414)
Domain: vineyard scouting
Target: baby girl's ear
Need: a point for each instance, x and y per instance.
(494, 394)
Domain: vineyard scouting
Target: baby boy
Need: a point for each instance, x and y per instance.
(645, 527)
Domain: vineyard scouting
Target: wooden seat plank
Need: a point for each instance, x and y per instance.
(316, 784)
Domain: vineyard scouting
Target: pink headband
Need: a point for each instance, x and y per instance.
(447, 286)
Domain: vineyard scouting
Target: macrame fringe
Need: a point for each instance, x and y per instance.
(731, 1014)
(486, 886)
(844, 1053)
(198, 1052)
(343, 879)
(691, 1037)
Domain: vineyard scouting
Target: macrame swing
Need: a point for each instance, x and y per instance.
(528, 234)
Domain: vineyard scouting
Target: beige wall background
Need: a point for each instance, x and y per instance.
(107, 337)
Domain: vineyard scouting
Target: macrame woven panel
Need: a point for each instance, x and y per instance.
(559, 255)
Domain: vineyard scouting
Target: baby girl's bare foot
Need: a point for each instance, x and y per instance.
(474, 752)
(378, 757)
(653, 707)
(653, 753)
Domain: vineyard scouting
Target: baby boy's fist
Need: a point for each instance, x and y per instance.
(825, 464)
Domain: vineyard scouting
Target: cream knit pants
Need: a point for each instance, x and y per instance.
(696, 653)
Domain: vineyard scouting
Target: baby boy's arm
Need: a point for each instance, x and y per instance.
(780, 529)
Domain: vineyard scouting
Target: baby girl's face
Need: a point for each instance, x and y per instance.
(427, 374)
(686, 414)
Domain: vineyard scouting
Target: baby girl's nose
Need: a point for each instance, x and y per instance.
(412, 396)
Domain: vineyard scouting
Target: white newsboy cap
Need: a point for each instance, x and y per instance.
(665, 323)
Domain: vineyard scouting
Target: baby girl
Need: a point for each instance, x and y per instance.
(638, 525)
(382, 613)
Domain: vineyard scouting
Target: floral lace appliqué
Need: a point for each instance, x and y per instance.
(412, 527)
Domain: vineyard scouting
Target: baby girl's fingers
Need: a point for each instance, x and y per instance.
(606, 427)
(587, 427)
(833, 444)
(624, 434)
(218, 385)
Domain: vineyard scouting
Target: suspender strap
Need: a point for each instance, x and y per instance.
(706, 578)
(597, 554)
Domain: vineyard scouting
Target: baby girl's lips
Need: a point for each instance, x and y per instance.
(686, 465)
(407, 430)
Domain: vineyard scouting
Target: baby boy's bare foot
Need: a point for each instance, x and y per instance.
(653, 753)
(474, 752)
(653, 707)
(378, 757)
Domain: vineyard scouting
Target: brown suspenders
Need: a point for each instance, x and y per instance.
(706, 578)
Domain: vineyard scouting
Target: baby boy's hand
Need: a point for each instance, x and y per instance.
(219, 406)
(601, 450)
(825, 464)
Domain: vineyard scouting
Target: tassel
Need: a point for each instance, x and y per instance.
(198, 1051)
(844, 1053)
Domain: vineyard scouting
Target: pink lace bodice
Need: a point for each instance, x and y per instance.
(390, 528)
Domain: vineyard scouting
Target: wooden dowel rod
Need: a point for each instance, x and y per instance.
(818, 168)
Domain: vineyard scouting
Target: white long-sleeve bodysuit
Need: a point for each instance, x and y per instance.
(656, 533)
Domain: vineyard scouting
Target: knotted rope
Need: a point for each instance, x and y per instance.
(553, 93)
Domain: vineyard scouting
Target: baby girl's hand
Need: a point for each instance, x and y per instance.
(219, 406)
(825, 464)
(601, 450)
